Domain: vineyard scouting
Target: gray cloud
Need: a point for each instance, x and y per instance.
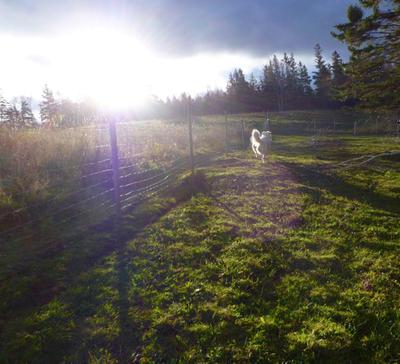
(176, 27)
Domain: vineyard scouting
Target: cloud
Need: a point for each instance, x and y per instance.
(193, 44)
(257, 27)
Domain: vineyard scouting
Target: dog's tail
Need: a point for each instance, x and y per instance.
(255, 135)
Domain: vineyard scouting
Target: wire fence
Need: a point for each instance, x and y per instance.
(114, 176)
(114, 169)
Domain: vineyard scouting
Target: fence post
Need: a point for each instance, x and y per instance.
(115, 168)
(226, 132)
(267, 126)
(334, 124)
(243, 141)
(189, 116)
(97, 142)
(355, 128)
(315, 126)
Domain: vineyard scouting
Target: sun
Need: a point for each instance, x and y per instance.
(106, 65)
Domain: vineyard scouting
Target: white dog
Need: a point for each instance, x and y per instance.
(261, 143)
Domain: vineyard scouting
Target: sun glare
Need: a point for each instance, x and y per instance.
(108, 66)
(111, 66)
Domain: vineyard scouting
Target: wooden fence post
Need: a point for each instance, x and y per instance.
(115, 168)
(243, 141)
(226, 132)
(267, 126)
(355, 128)
(97, 141)
(189, 116)
(334, 124)
(315, 126)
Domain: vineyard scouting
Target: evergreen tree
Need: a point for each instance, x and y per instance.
(253, 84)
(305, 87)
(322, 78)
(291, 82)
(239, 91)
(305, 81)
(338, 74)
(374, 45)
(26, 114)
(339, 78)
(48, 108)
(14, 120)
(279, 82)
(4, 106)
(268, 87)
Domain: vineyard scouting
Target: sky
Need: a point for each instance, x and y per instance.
(118, 50)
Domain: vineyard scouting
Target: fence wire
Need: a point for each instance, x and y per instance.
(150, 161)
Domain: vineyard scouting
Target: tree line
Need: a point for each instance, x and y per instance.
(17, 114)
(284, 84)
(369, 80)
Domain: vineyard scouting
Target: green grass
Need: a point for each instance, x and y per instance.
(287, 261)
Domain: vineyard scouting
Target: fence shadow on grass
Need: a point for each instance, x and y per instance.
(338, 186)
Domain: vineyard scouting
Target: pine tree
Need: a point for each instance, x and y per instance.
(306, 90)
(3, 111)
(239, 91)
(374, 44)
(26, 114)
(14, 120)
(339, 78)
(278, 82)
(338, 74)
(291, 82)
(322, 78)
(253, 84)
(268, 87)
(48, 108)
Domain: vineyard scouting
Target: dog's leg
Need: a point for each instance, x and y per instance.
(254, 150)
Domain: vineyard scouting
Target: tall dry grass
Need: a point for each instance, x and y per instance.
(37, 164)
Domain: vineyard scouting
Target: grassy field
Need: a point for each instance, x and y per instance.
(294, 260)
